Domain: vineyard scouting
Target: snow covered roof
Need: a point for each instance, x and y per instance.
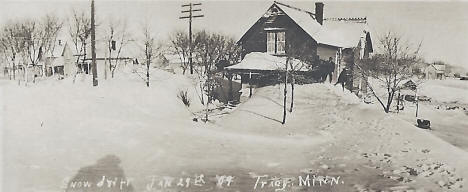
(257, 61)
(344, 33)
(57, 50)
(409, 84)
(439, 68)
(304, 20)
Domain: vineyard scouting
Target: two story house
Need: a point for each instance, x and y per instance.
(284, 29)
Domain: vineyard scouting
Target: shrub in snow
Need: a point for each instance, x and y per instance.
(185, 99)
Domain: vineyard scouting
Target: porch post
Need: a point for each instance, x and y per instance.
(230, 94)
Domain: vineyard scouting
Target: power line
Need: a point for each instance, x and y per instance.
(191, 15)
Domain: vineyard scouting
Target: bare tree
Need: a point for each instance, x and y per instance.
(4, 55)
(40, 38)
(285, 91)
(292, 69)
(12, 44)
(392, 66)
(299, 60)
(209, 50)
(124, 39)
(80, 30)
(233, 51)
(151, 49)
(117, 38)
(180, 45)
(111, 43)
(31, 40)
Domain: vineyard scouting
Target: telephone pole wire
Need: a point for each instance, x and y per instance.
(191, 15)
(93, 45)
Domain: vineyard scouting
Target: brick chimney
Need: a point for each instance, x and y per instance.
(319, 12)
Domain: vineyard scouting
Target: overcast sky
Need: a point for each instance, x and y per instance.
(441, 25)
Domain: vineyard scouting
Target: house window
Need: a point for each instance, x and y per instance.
(276, 42)
(270, 42)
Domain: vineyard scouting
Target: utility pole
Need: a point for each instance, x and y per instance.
(190, 17)
(93, 45)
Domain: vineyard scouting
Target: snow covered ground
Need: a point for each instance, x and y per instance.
(53, 128)
(447, 110)
(448, 91)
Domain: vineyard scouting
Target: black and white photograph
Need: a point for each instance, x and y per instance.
(233, 96)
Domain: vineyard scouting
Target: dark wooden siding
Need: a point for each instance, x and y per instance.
(296, 38)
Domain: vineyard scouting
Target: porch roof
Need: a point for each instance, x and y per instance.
(264, 62)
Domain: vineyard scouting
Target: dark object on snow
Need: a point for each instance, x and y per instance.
(106, 175)
(344, 77)
(424, 124)
(424, 98)
(464, 78)
(451, 107)
(184, 98)
(400, 106)
(410, 98)
(113, 45)
(195, 119)
(222, 64)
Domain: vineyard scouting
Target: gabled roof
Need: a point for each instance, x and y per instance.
(304, 20)
(57, 50)
(439, 68)
(344, 33)
(410, 84)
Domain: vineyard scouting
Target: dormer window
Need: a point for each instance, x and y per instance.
(276, 42)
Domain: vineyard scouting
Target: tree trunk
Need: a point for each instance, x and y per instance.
(292, 93)
(285, 94)
(208, 96)
(147, 74)
(250, 84)
(113, 69)
(389, 100)
(398, 103)
(14, 71)
(110, 60)
(43, 70)
(417, 103)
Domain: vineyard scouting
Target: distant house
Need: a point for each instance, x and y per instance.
(435, 71)
(107, 59)
(284, 27)
(60, 60)
(57, 61)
